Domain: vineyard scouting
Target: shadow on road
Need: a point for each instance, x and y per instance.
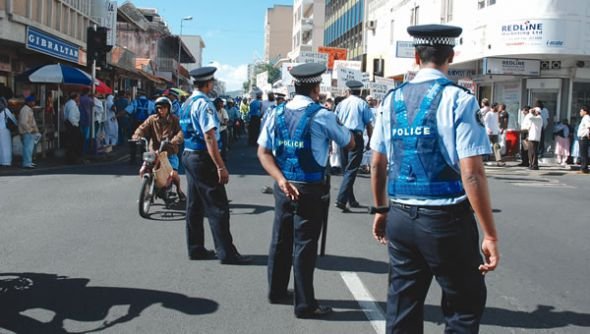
(249, 209)
(71, 299)
(176, 212)
(338, 263)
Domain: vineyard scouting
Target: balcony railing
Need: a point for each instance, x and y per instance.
(167, 65)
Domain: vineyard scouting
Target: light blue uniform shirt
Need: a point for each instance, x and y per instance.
(132, 107)
(203, 116)
(324, 127)
(461, 135)
(354, 113)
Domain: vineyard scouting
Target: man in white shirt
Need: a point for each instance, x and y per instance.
(490, 120)
(524, 133)
(535, 132)
(544, 113)
(583, 137)
(74, 139)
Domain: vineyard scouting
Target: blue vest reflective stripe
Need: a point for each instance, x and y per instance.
(418, 169)
(142, 109)
(175, 108)
(293, 152)
(194, 138)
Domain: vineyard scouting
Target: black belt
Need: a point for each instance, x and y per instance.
(196, 152)
(357, 132)
(445, 208)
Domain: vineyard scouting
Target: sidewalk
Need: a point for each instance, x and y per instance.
(119, 153)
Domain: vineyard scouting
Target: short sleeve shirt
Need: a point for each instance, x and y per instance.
(461, 133)
(324, 128)
(354, 113)
(203, 115)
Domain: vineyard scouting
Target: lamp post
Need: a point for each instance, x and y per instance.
(187, 18)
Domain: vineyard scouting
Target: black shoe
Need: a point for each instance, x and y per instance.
(181, 197)
(204, 254)
(285, 299)
(342, 207)
(238, 260)
(354, 204)
(320, 311)
(522, 165)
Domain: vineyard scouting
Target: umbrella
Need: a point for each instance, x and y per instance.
(102, 88)
(179, 92)
(57, 74)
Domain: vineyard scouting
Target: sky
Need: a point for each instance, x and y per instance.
(233, 31)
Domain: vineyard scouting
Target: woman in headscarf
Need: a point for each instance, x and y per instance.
(5, 135)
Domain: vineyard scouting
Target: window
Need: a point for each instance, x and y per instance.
(414, 16)
(391, 25)
(446, 14)
(483, 3)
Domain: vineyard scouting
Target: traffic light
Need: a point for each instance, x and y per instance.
(96, 46)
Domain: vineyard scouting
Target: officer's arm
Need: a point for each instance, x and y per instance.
(351, 144)
(476, 187)
(270, 166)
(213, 149)
(379, 178)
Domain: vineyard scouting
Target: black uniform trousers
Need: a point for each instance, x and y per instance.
(253, 130)
(206, 196)
(584, 141)
(440, 242)
(295, 234)
(351, 161)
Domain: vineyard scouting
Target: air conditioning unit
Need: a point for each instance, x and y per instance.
(555, 64)
(545, 65)
(371, 24)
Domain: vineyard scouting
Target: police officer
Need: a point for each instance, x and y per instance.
(354, 113)
(293, 149)
(430, 136)
(140, 109)
(206, 175)
(254, 118)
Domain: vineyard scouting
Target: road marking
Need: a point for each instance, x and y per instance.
(365, 300)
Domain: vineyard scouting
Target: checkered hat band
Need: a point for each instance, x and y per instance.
(309, 80)
(434, 41)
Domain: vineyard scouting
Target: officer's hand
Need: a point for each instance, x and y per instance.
(223, 176)
(379, 224)
(491, 256)
(289, 190)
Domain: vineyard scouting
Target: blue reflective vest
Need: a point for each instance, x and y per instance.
(292, 145)
(142, 109)
(418, 169)
(194, 138)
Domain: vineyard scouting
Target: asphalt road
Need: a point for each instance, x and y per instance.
(75, 257)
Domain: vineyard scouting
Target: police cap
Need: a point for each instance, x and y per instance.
(434, 34)
(203, 73)
(354, 84)
(310, 73)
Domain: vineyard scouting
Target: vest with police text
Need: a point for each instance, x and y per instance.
(194, 138)
(292, 146)
(418, 168)
(142, 109)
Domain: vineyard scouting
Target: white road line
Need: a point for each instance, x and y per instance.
(365, 300)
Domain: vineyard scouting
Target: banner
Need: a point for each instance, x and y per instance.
(404, 49)
(286, 77)
(334, 54)
(350, 64)
(312, 57)
(110, 22)
(262, 79)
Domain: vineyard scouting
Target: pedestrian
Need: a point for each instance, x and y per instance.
(293, 149)
(140, 109)
(29, 133)
(435, 178)
(561, 131)
(8, 123)
(233, 123)
(160, 127)
(73, 135)
(583, 135)
(535, 127)
(354, 113)
(524, 134)
(111, 125)
(206, 174)
(485, 107)
(223, 120)
(544, 113)
(123, 118)
(254, 118)
(492, 125)
(173, 96)
(86, 107)
(269, 104)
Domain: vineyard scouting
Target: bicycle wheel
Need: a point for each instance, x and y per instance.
(145, 197)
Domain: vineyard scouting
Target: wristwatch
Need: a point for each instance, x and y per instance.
(378, 209)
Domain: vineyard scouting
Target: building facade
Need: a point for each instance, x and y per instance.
(278, 32)
(510, 52)
(195, 44)
(308, 26)
(344, 26)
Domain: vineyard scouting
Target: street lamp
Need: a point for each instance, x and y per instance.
(188, 18)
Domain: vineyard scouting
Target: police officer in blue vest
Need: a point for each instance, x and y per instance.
(293, 149)
(140, 109)
(355, 114)
(427, 177)
(254, 118)
(206, 174)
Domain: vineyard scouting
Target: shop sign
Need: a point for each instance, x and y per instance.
(456, 74)
(404, 49)
(110, 22)
(529, 33)
(511, 66)
(48, 44)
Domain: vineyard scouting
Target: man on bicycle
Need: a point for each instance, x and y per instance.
(159, 127)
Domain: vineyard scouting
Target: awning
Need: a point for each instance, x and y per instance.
(151, 77)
